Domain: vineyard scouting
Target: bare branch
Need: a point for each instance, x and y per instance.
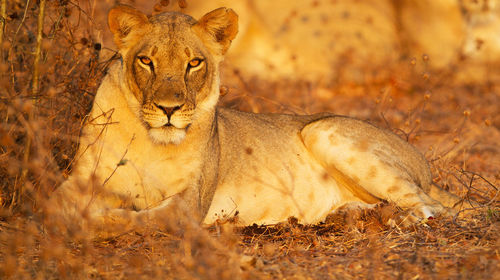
(3, 18)
(39, 36)
(35, 88)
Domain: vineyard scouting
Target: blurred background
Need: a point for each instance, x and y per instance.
(337, 41)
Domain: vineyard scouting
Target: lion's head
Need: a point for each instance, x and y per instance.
(170, 64)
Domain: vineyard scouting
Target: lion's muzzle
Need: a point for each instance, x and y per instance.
(169, 111)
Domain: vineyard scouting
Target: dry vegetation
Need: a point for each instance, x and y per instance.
(456, 124)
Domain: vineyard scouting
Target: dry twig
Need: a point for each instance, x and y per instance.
(3, 18)
(35, 84)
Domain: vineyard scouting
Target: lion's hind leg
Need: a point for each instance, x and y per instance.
(372, 164)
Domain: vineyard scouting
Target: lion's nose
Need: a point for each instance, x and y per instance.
(169, 111)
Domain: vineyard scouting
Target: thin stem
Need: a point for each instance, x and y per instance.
(35, 88)
(3, 19)
(39, 36)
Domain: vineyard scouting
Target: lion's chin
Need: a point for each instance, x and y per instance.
(167, 135)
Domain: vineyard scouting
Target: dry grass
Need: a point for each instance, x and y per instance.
(457, 125)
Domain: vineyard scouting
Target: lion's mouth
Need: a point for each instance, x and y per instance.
(169, 125)
(153, 120)
(168, 134)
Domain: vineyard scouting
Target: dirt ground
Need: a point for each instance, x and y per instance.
(455, 122)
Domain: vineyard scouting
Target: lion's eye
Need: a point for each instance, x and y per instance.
(146, 60)
(195, 62)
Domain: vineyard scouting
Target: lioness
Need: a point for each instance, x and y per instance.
(155, 141)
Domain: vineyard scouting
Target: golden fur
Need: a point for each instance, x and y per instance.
(155, 142)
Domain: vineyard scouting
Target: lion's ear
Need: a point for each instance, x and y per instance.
(122, 20)
(217, 29)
